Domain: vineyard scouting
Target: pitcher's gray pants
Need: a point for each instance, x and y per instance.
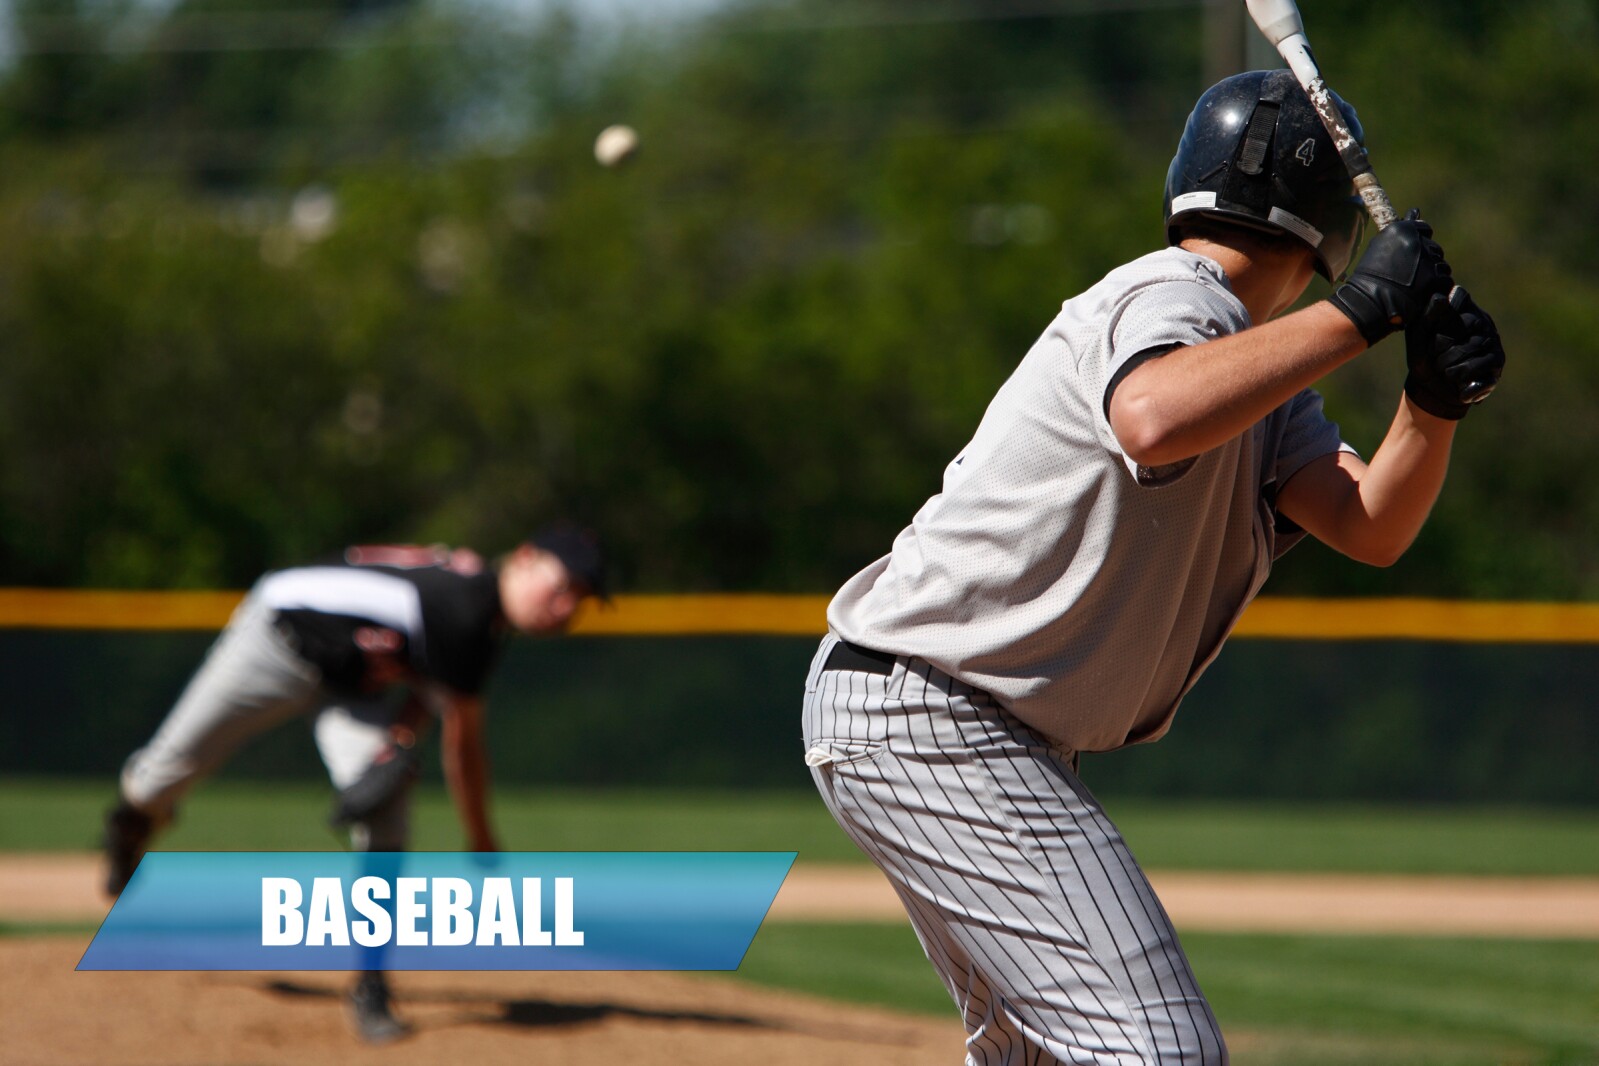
(251, 680)
(1024, 896)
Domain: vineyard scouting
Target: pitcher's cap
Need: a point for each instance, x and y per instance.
(579, 551)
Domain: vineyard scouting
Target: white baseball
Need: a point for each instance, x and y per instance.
(615, 145)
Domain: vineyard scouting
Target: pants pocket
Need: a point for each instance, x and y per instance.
(837, 753)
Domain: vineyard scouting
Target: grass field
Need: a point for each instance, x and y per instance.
(1289, 1000)
(53, 815)
(1296, 1001)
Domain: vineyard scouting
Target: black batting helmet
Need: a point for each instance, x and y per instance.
(1255, 153)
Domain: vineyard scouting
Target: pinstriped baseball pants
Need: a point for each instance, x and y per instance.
(1023, 894)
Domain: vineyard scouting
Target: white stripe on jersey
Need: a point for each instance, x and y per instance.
(385, 599)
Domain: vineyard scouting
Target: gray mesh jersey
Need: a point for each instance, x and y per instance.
(1084, 592)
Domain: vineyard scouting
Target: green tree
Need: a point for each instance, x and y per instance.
(406, 302)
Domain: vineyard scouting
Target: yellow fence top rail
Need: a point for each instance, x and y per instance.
(1462, 621)
(1271, 617)
(114, 609)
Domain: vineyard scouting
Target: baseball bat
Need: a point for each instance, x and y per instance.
(1279, 21)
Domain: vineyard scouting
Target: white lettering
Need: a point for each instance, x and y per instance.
(414, 919)
(408, 910)
(565, 935)
(496, 917)
(452, 911)
(379, 927)
(281, 922)
(327, 925)
(533, 934)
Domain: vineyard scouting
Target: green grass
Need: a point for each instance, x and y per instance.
(880, 964)
(24, 929)
(1176, 835)
(1430, 1000)
(1297, 1000)
(51, 814)
(56, 815)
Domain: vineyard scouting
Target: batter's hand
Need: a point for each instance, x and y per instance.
(1402, 269)
(1455, 356)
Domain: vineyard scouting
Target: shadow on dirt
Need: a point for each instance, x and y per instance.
(532, 1013)
(480, 1008)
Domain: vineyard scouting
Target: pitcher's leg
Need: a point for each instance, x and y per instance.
(250, 681)
(351, 735)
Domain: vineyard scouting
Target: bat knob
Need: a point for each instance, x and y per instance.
(1477, 391)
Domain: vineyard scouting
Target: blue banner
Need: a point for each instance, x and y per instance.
(439, 911)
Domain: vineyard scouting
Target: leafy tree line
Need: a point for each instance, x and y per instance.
(370, 283)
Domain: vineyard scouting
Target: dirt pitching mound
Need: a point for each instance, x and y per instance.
(58, 1017)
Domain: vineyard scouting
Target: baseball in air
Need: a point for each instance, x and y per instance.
(615, 145)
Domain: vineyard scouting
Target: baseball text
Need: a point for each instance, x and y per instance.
(415, 912)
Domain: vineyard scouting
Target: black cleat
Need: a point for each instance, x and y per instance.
(127, 831)
(371, 1012)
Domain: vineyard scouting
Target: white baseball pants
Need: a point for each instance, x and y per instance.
(250, 681)
(1024, 895)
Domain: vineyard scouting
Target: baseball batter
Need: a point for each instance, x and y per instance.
(341, 640)
(1120, 503)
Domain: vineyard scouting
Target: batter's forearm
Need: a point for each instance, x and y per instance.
(1394, 496)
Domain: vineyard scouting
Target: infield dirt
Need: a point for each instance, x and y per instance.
(56, 1017)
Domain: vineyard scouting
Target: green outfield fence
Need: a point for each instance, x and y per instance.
(1394, 699)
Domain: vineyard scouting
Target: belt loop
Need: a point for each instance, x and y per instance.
(819, 661)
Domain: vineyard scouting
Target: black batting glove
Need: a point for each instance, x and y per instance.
(1402, 269)
(1455, 356)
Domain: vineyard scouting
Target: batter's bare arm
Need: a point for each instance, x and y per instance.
(466, 767)
(1196, 398)
(1372, 513)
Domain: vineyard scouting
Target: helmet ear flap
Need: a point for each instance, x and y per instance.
(1344, 246)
